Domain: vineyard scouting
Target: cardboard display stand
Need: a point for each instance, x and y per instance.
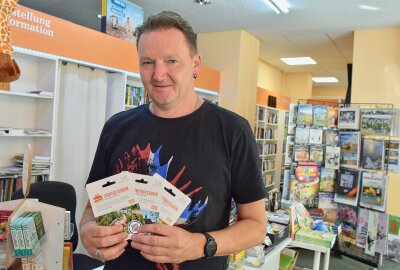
(53, 220)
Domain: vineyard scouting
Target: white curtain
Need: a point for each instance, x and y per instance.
(81, 116)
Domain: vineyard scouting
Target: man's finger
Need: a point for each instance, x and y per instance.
(159, 229)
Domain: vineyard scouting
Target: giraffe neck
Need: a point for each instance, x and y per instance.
(6, 8)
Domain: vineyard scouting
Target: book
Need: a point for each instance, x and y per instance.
(294, 223)
(326, 203)
(327, 181)
(261, 112)
(349, 143)
(373, 190)
(320, 116)
(303, 217)
(349, 118)
(332, 157)
(316, 136)
(289, 150)
(301, 153)
(305, 114)
(331, 137)
(376, 122)
(323, 239)
(347, 216)
(302, 135)
(373, 154)
(332, 116)
(347, 186)
(316, 153)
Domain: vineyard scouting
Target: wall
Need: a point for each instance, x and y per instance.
(376, 79)
(297, 86)
(269, 77)
(235, 54)
(328, 92)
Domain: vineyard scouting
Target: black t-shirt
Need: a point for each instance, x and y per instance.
(210, 154)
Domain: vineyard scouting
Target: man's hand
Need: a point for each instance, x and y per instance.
(109, 240)
(168, 244)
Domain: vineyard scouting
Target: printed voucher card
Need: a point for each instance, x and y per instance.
(134, 199)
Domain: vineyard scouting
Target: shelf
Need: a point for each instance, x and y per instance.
(26, 135)
(130, 106)
(268, 171)
(23, 94)
(270, 124)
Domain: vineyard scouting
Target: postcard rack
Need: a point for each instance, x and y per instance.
(366, 126)
(53, 219)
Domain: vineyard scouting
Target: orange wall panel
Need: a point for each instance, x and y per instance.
(282, 102)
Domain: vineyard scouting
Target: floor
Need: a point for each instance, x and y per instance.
(305, 260)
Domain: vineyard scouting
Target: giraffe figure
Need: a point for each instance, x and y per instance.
(9, 70)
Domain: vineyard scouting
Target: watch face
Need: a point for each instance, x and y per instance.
(211, 248)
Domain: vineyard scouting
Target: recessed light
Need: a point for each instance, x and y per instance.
(325, 79)
(372, 8)
(297, 61)
(203, 2)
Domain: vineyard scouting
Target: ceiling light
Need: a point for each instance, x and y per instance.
(372, 8)
(297, 61)
(325, 79)
(278, 6)
(203, 2)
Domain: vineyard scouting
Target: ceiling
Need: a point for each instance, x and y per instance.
(320, 29)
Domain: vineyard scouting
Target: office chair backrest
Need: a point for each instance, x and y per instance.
(54, 193)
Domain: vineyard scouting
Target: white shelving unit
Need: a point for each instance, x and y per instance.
(269, 131)
(22, 110)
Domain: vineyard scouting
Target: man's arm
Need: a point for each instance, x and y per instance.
(248, 231)
(110, 240)
(175, 245)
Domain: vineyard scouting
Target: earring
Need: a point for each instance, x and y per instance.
(195, 75)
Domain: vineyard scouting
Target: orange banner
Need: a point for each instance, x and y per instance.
(41, 32)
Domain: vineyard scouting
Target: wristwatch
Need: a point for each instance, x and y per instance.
(210, 247)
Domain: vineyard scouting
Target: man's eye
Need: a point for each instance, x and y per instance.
(146, 63)
(172, 61)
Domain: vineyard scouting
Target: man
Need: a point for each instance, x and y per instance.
(206, 151)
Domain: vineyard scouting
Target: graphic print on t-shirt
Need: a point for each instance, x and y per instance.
(146, 162)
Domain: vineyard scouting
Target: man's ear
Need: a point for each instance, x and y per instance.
(196, 63)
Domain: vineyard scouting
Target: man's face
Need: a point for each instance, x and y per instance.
(166, 66)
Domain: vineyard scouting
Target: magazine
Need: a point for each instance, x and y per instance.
(302, 135)
(292, 118)
(305, 114)
(349, 118)
(304, 192)
(301, 153)
(376, 122)
(394, 225)
(392, 156)
(332, 116)
(289, 150)
(327, 182)
(349, 143)
(320, 116)
(373, 154)
(347, 186)
(316, 136)
(373, 189)
(316, 153)
(332, 157)
(393, 252)
(331, 137)
(326, 203)
(347, 216)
